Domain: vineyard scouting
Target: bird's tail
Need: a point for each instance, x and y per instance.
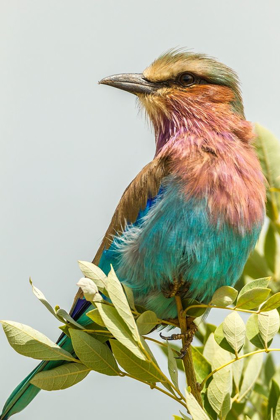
(24, 393)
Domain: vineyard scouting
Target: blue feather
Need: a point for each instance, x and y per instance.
(176, 238)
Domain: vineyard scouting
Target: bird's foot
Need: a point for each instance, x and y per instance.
(187, 338)
(172, 336)
(192, 328)
(176, 287)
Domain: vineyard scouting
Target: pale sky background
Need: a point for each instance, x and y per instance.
(69, 148)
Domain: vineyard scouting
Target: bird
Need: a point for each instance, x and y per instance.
(189, 220)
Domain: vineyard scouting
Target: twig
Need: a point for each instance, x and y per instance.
(235, 360)
(228, 308)
(153, 386)
(165, 379)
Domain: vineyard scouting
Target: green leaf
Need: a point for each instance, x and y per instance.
(253, 332)
(237, 369)
(62, 314)
(140, 369)
(184, 417)
(252, 298)
(268, 150)
(172, 366)
(210, 348)
(151, 358)
(101, 335)
(220, 388)
(93, 353)
(204, 330)
(120, 302)
(268, 324)
(176, 350)
(207, 407)
(61, 377)
(274, 395)
(272, 303)
(39, 295)
(270, 247)
(256, 266)
(96, 329)
(262, 283)
(234, 331)
(65, 330)
(221, 340)
(201, 366)
(140, 309)
(149, 351)
(251, 375)
(31, 343)
(177, 417)
(224, 296)
(193, 312)
(256, 406)
(277, 410)
(194, 408)
(129, 296)
(147, 322)
(269, 369)
(95, 316)
(119, 328)
(219, 391)
(91, 271)
(260, 389)
(220, 358)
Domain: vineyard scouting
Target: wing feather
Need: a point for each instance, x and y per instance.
(134, 199)
(144, 186)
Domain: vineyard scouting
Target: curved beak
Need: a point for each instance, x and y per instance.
(130, 82)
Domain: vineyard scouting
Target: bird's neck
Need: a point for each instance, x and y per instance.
(199, 118)
(210, 151)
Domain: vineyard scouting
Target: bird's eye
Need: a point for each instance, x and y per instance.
(186, 79)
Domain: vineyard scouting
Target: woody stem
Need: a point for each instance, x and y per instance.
(187, 359)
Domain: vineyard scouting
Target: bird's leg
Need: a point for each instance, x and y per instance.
(187, 336)
(175, 288)
(171, 337)
(170, 289)
(180, 288)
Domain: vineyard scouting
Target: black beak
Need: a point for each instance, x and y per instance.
(131, 82)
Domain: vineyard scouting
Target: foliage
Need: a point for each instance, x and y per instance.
(233, 362)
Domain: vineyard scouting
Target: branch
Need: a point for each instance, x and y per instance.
(235, 360)
(187, 359)
(228, 308)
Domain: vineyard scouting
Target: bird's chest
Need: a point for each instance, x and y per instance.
(178, 237)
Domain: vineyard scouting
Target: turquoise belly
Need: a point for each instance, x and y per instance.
(176, 238)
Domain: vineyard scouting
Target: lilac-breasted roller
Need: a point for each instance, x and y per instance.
(195, 212)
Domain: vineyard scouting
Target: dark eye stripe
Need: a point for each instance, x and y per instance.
(182, 80)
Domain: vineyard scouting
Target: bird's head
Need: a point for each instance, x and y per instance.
(184, 90)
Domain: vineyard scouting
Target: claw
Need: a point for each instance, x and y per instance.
(172, 337)
(182, 354)
(187, 337)
(184, 349)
